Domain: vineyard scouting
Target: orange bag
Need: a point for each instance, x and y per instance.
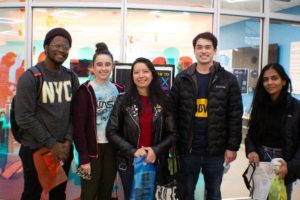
(49, 170)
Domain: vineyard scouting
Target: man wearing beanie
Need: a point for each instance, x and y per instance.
(42, 110)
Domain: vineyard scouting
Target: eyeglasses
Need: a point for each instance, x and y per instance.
(59, 46)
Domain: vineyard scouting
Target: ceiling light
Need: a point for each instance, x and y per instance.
(68, 14)
(155, 12)
(185, 13)
(235, 1)
(13, 33)
(42, 10)
(10, 20)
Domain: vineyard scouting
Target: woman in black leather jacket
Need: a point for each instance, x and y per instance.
(274, 130)
(141, 123)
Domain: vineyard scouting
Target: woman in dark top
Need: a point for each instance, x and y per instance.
(141, 123)
(274, 126)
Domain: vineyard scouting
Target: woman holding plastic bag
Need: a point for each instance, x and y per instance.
(274, 128)
(141, 126)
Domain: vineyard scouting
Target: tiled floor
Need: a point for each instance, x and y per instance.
(233, 187)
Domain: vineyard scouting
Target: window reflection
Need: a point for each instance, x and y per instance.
(189, 3)
(102, 1)
(286, 7)
(8, 1)
(11, 53)
(12, 56)
(239, 50)
(242, 5)
(87, 27)
(289, 47)
(164, 36)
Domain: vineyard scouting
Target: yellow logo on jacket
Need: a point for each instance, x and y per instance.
(201, 110)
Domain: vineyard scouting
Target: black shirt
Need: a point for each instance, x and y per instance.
(274, 111)
(200, 141)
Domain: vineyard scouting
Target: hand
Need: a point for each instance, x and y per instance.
(68, 145)
(67, 142)
(229, 156)
(253, 158)
(59, 151)
(283, 170)
(86, 168)
(151, 156)
(141, 152)
(84, 171)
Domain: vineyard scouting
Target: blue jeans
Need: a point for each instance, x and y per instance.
(267, 154)
(212, 169)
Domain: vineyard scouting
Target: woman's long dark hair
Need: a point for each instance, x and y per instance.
(262, 98)
(156, 94)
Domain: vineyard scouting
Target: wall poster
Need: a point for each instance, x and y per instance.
(121, 75)
(295, 66)
(242, 76)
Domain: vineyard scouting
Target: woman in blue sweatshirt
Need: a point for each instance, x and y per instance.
(92, 105)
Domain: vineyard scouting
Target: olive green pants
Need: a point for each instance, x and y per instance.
(103, 172)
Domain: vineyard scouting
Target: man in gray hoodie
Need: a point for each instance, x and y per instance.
(44, 114)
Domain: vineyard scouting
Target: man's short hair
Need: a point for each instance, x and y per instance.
(207, 36)
(57, 32)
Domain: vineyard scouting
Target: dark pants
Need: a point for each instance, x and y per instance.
(267, 154)
(212, 169)
(126, 174)
(32, 187)
(103, 172)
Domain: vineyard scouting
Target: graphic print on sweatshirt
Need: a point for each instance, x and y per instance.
(56, 91)
(106, 95)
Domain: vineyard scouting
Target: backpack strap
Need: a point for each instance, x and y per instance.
(71, 74)
(73, 77)
(16, 130)
(36, 72)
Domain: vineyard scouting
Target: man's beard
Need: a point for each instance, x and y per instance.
(58, 63)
